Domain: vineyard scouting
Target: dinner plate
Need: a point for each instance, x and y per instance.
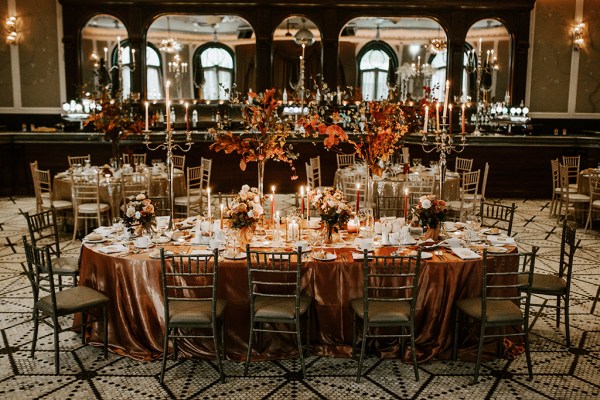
(497, 250)
(424, 255)
(94, 241)
(236, 256)
(451, 229)
(161, 240)
(327, 257)
(156, 254)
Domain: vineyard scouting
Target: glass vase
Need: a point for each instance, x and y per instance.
(261, 177)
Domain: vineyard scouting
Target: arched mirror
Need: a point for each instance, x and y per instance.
(203, 56)
(294, 38)
(101, 39)
(487, 62)
(404, 58)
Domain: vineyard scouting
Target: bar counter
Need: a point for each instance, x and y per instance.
(519, 165)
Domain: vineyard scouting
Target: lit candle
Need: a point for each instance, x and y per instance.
(418, 63)
(132, 58)
(405, 203)
(479, 46)
(208, 202)
(462, 119)
(273, 209)
(302, 200)
(307, 204)
(221, 216)
(446, 98)
(146, 115)
(357, 197)
(437, 117)
(187, 119)
(106, 56)
(426, 119)
(450, 119)
(168, 111)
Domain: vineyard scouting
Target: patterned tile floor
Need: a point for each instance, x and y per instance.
(559, 372)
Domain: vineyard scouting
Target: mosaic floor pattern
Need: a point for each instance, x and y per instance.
(559, 372)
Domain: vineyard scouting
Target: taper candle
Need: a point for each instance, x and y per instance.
(187, 119)
(462, 118)
(405, 203)
(437, 117)
(221, 216)
(446, 94)
(168, 111)
(146, 115)
(302, 200)
(208, 202)
(426, 119)
(357, 197)
(450, 119)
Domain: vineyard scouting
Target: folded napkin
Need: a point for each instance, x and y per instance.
(201, 252)
(113, 248)
(104, 230)
(500, 240)
(465, 254)
(360, 256)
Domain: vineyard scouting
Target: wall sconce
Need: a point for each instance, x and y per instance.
(11, 29)
(578, 31)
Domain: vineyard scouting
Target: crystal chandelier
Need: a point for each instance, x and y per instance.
(169, 45)
(437, 45)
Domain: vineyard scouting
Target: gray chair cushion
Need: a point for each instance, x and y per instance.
(498, 311)
(73, 300)
(545, 283)
(279, 307)
(383, 311)
(182, 312)
(65, 265)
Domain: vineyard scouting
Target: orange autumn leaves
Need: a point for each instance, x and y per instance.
(116, 120)
(265, 135)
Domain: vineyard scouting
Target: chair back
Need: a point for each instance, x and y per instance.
(310, 178)
(463, 165)
(315, 164)
(86, 189)
(594, 186)
(416, 189)
(136, 183)
(568, 246)
(78, 160)
(391, 279)
(191, 278)
(179, 162)
(206, 164)
(40, 272)
(470, 183)
(563, 176)
(389, 206)
(572, 164)
(194, 180)
(497, 215)
(42, 181)
(349, 185)
(486, 170)
(500, 279)
(274, 274)
(554, 164)
(345, 160)
(134, 159)
(43, 229)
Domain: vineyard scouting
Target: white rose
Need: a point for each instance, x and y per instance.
(251, 214)
(426, 204)
(140, 197)
(258, 209)
(130, 212)
(245, 188)
(138, 215)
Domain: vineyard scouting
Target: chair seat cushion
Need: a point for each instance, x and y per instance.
(545, 283)
(383, 311)
(497, 311)
(65, 265)
(471, 197)
(596, 203)
(578, 197)
(183, 200)
(279, 307)
(571, 190)
(58, 204)
(92, 208)
(72, 300)
(186, 312)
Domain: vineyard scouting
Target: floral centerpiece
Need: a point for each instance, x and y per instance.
(138, 213)
(245, 211)
(264, 137)
(429, 212)
(333, 207)
(115, 120)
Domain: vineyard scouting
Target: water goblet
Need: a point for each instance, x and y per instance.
(416, 162)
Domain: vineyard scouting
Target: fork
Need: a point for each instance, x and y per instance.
(440, 255)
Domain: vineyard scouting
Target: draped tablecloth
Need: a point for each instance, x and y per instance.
(136, 320)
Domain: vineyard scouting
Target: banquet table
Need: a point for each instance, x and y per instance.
(136, 320)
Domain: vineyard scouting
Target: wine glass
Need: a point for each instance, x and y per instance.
(416, 162)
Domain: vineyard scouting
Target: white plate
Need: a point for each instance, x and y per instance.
(94, 241)
(425, 255)
(157, 254)
(328, 257)
(496, 250)
(237, 256)
(161, 240)
(201, 252)
(451, 229)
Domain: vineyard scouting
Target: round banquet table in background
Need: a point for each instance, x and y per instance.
(136, 316)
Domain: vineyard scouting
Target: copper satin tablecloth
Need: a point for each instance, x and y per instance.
(136, 320)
